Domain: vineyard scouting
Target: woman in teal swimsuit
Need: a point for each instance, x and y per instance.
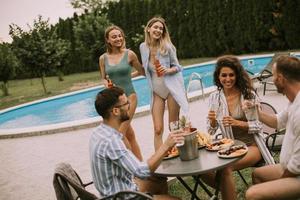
(117, 63)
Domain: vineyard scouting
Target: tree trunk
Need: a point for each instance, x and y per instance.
(5, 88)
(44, 82)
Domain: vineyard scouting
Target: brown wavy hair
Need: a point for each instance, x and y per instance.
(243, 81)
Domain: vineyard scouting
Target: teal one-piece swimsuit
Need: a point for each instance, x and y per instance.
(120, 74)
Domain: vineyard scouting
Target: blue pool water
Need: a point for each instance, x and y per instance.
(81, 106)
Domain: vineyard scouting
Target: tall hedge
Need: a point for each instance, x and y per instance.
(198, 28)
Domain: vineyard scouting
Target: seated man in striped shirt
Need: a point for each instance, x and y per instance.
(113, 165)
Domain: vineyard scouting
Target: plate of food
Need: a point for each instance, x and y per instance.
(233, 151)
(219, 144)
(203, 139)
(173, 153)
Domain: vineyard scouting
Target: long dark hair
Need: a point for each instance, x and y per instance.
(243, 82)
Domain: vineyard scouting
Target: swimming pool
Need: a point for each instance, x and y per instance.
(80, 105)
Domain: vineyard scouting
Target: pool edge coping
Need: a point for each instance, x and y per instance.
(84, 124)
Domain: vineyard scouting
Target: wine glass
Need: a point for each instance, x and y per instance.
(250, 108)
(174, 128)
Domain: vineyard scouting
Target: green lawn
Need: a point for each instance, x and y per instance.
(178, 190)
(22, 91)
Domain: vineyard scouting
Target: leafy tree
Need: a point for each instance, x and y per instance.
(39, 49)
(90, 44)
(8, 65)
(89, 5)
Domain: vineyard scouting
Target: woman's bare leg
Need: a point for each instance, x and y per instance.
(173, 109)
(128, 131)
(158, 109)
(227, 185)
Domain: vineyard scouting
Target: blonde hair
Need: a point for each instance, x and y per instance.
(106, 35)
(165, 38)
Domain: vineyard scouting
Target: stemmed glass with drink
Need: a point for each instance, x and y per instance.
(218, 109)
(175, 128)
(250, 108)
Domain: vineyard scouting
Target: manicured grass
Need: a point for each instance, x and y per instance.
(22, 91)
(178, 190)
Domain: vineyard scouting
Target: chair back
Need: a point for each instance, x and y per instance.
(274, 137)
(134, 195)
(128, 195)
(267, 108)
(68, 185)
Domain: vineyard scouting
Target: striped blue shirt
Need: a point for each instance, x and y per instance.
(113, 165)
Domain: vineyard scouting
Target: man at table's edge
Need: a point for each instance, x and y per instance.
(282, 181)
(113, 165)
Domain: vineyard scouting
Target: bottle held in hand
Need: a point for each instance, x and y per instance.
(157, 66)
(109, 82)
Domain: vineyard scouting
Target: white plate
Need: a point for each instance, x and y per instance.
(235, 154)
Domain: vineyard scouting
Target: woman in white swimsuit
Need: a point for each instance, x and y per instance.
(167, 85)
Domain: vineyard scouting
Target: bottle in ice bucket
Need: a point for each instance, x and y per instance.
(189, 150)
(185, 124)
(109, 82)
(157, 65)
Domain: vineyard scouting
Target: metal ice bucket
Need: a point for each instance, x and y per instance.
(189, 150)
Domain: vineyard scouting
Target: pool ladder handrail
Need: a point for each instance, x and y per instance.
(198, 79)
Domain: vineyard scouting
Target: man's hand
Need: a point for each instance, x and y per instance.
(175, 137)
